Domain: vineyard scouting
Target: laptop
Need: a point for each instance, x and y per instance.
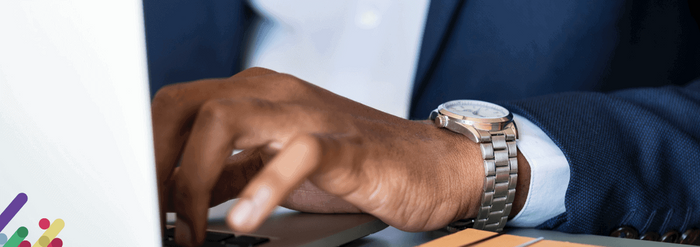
(76, 147)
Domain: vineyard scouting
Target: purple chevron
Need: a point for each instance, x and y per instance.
(12, 210)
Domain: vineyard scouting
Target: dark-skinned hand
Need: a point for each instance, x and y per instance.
(307, 149)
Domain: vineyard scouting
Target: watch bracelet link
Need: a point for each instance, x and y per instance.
(501, 168)
(501, 175)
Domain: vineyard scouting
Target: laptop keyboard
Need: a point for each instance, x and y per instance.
(218, 239)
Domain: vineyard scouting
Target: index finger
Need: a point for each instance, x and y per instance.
(322, 158)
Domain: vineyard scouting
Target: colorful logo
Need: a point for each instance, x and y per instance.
(48, 239)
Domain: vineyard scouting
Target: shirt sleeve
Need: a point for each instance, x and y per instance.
(549, 175)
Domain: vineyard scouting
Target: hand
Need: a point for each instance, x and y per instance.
(409, 174)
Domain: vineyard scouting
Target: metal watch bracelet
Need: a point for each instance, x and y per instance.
(501, 170)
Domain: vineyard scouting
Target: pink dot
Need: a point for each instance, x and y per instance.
(56, 242)
(44, 224)
(25, 243)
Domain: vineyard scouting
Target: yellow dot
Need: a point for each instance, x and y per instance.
(44, 241)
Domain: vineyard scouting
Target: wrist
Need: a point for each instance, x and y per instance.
(523, 187)
(465, 158)
(463, 171)
(476, 179)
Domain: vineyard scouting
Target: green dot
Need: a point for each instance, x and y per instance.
(22, 232)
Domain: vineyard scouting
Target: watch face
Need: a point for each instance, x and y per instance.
(476, 109)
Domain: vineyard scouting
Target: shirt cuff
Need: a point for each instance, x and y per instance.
(549, 175)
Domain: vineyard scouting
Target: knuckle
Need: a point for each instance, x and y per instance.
(258, 104)
(276, 86)
(289, 84)
(164, 106)
(221, 111)
(167, 96)
(169, 91)
(213, 111)
(292, 80)
(260, 70)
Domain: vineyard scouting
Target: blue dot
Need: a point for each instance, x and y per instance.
(3, 238)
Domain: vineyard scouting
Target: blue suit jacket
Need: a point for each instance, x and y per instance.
(608, 81)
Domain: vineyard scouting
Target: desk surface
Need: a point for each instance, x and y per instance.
(394, 237)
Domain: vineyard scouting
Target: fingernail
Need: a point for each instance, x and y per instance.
(242, 212)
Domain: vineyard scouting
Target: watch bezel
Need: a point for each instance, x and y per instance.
(479, 123)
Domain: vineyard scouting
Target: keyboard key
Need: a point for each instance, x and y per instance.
(213, 239)
(239, 245)
(206, 244)
(170, 232)
(217, 239)
(169, 243)
(212, 244)
(245, 241)
(218, 236)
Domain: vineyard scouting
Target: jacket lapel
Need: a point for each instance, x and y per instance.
(441, 15)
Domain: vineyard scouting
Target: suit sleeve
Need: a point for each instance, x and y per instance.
(634, 157)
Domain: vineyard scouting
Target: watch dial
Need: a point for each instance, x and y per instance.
(476, 109)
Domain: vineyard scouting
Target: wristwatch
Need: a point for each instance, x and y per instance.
(493, 128)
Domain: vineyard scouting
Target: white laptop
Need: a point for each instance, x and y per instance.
(76, 149)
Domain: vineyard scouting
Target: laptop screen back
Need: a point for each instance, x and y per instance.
(76, 151)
